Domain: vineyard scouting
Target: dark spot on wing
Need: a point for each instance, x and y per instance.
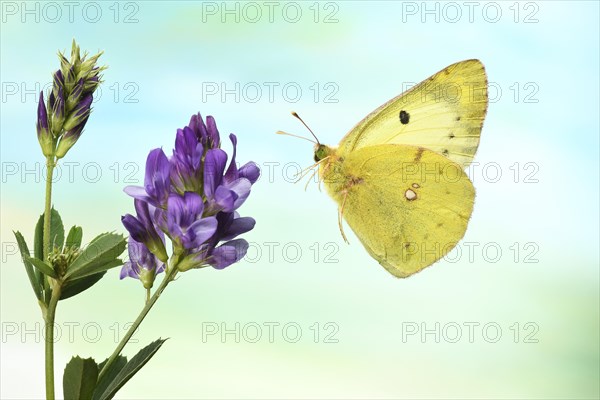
(439, 224)
(404, 117)
(451, 135)
(458, 118)
(445, 152)
(419, 154)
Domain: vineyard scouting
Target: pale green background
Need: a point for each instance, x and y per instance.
(370, 53)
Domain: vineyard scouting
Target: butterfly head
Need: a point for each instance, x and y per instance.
(322, 151)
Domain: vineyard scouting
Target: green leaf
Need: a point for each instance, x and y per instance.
(76, 286)
(37, 289)
(102, 251)
(80, 378)
(38, 248)
(96, 269)
(74, 237)
(130, 369)
(43, 267)
(108, 376)
(57, 234)
(57, 230)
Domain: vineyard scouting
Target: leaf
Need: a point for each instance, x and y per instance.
(130, 369)
(108, 376)
(57, 238)
(38, 248)
(94, 269)
(37, 289)
(103, 250)
(74, 237)
(57, 230)
(80, 378)
(76, 286)
(57, 234)
(43, 267)
(38, 239)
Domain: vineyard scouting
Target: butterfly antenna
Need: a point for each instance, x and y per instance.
(296, 136)
(295, 114)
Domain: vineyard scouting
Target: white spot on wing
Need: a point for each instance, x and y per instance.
(410, 195)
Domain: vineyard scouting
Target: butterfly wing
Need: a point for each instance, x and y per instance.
(409, 206)
(444, 113)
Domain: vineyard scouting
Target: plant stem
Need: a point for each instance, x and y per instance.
(50, 313)
(170, 275)
(50, 164)
(49, 339)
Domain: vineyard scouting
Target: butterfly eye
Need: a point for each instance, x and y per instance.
(404, 117)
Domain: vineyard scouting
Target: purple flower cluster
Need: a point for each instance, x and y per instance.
(61, 122)
(193, 200)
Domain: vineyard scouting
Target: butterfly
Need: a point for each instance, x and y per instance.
(398, 176)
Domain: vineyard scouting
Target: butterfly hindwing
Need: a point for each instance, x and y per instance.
(409, 206)
(444, 114)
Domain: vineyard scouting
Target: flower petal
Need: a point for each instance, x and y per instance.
(128, 270)
(157, 180)
(193, 204)
(175, 213)
(137, 192)
(249, 171)
(225, 199)
(214, 140)
(203, 230)
(238, 226)
(214, 165)
(228, 253)
(135, 228)
(232, 171)
(241, 187)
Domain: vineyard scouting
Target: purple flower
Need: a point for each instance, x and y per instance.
(142, 229)
(142, 264)
(208, 135)
(185, 223)
(70, 100)
(249, 170)
(73, 126)
(227, 192)
(43, 133)
(230, 225)
(157, 182)
(186, 161)
(193, 199)
(56, 104)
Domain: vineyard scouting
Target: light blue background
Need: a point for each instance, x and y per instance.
(543, 115)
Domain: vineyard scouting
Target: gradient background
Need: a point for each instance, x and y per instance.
(544, 112)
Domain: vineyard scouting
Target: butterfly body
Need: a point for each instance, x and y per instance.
(398, 176)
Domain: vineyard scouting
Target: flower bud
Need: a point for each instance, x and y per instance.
(44, 135)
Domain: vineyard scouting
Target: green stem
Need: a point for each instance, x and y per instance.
(166, 280)
(49, 339)
(49, 313)
(50, 164)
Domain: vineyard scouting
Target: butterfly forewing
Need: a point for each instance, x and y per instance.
(444, 114)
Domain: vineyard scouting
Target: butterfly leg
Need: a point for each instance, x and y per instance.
(340, 215)
(311, 178)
